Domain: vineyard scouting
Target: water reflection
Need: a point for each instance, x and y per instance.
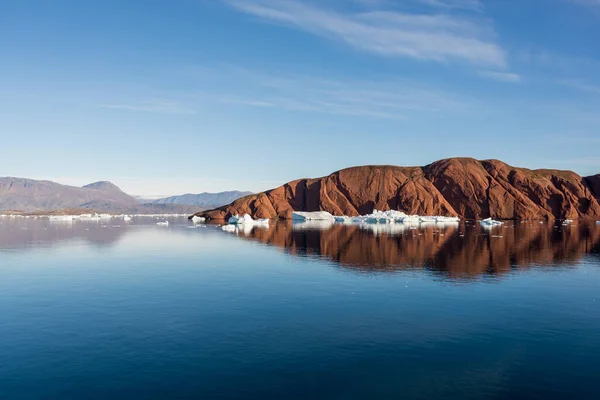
(457, 250)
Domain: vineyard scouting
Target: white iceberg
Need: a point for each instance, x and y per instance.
(247, 220)
(312, 216)
(490, 222)
(196, 219)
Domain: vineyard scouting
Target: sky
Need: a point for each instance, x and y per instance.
(165, 97)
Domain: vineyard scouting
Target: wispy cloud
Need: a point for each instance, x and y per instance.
(466, 5)
(473, 5)
(432, 37)
(389, 99)
(501, 76)
(154, 106)
(584, 87)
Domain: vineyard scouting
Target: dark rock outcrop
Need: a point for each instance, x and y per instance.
(457, 186)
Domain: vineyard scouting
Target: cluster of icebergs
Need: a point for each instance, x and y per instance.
(87, 217)
(324, 220)
(91, 217)
(376, 217)
(378, 221)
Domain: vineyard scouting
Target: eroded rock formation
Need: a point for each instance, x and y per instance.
(462, 187)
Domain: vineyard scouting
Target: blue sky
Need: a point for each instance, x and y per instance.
(166, 97)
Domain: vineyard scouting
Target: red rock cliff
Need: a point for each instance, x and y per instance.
(458, 186)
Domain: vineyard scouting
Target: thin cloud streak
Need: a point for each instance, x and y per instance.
(584, 87)
(160, 107)
(472, 5)
(439, 38)
(381, 100)
(501, 76)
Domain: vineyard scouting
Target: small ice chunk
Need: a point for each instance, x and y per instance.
(490, 222)
(163, 223)
(196, 219)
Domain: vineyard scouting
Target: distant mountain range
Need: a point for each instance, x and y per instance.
(205, 200)
(28, 195)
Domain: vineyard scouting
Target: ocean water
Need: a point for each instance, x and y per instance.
(97, 310)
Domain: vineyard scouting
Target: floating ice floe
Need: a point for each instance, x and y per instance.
(312, 216)
(163, 223)
(490, 222)
(247, 220)
(196, 219)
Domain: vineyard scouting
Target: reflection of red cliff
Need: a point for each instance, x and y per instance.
(457, 251)
(457, 186)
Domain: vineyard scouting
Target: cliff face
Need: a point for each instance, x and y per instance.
(458, 186)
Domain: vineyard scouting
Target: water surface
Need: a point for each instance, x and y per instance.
(135, 310)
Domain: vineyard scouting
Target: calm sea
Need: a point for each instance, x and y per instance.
(133, 310)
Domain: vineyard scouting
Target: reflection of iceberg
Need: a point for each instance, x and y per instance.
(312, 216)
(490, 222)
(229, 228)
(246, 228)
(61, 218)
(312, 224)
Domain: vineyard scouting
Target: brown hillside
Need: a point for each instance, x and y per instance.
(458, 186)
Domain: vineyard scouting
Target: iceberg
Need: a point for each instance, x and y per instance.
(490, 222)
(312, 216)
(247, 220)
(196, 219)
